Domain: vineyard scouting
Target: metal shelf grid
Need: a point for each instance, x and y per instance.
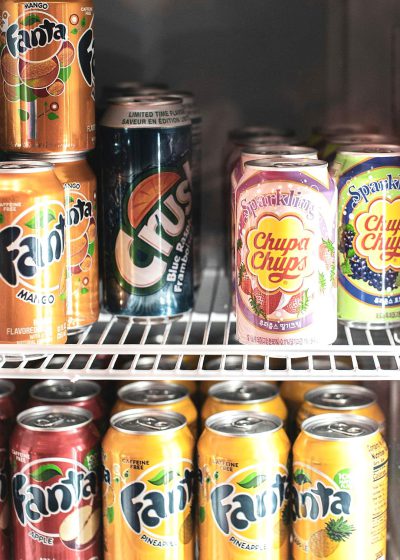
(200, 346)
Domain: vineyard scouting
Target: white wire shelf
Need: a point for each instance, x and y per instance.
(200, 346)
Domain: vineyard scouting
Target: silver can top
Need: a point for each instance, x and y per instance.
(147, 421)
(263, 130)
(7, 388)
(285, 150)
(24, 166)
(339, 426)
(64, 391)
(285, 163)
(149, 393)
(340, 397)
(243, 392)
(245, 423)
(360, 139)
(51, 157)
(141, 111)
(55, 418)
(374, 150)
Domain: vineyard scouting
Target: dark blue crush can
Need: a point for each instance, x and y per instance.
(145, 160)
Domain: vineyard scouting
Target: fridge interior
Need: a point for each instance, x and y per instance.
(284, 63)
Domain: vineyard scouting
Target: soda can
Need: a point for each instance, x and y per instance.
(244, 509)
(55, 487)
(336, 143)
(82, 393)
(188, 101)
(244, 395)
(5, 549)
(293, 392)
(47, 66)
(79, 183)
(155, 394)
(369, 243)
(285, 228)
(147, 208)
(148, 486)
(339, 494)
(32, 254)
(342, 399)
(321, 135)
(190, 385)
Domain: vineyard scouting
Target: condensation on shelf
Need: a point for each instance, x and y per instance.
(202, 345)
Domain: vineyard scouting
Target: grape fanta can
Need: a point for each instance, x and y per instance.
(339, 494)
(244, 512)
(147, 208)
(369, 235)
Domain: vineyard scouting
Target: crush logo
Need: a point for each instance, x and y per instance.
(280, 252)
(56, 498)
(248, 505)
(158, 502)
(32, 248)
(377, 237)
(156, 231)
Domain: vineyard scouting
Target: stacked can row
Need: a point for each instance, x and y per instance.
(333, 499)
(286, 219)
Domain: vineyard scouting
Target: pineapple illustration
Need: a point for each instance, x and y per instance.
(325, 542)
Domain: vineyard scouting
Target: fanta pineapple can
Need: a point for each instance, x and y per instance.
(285, 232)
(147, 208)
(47, 67)
(244, 510)
(339, 495)
(148, 487)
(55, 462)
(32, 254)
(369, 236)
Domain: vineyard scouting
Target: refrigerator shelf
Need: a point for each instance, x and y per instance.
(201, 346)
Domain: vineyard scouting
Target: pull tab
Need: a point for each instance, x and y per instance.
(153, 423)
(153, 395)
(337, 398)
(245, 393)
(343, 428)
(244, 423)
(51, 421)
(66, 390)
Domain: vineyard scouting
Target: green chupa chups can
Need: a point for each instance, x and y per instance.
(368, 179)
(147, 208)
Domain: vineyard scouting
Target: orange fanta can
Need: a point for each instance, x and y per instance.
(244, 511)
(148, 487)
(244, 395)
(156, 394)
(339, 494)
(47, 70)
(32, 254)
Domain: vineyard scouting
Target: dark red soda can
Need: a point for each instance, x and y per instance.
(54, 454)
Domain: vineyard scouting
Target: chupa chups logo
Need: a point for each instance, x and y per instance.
(156, 231)
(56, 499)
(280, 252)
(154, 503)
(377, 234)
(31, 245)
(247, 501)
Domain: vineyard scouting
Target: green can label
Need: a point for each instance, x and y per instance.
(369, 237)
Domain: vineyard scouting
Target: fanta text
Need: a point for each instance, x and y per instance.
(148, 508)
(21, 40)
(79, 211)
(278, 198)
(23, 256)
(239, 510)
(364, 191)
(320, 501)
(33, 502)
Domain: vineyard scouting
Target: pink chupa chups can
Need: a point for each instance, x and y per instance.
(285, 235)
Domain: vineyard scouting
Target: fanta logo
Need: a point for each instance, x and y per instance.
(236, 512)
(25, 256)
(20, 39)
(86, 56)
(34, 502)
(378, 234)
(280, 252)
(145, 507)
(157, 233)
(81, 210)
(319, 501)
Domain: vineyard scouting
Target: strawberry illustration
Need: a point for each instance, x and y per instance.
(264, 304)
(244, 279)
(326, 252)
(298, 303)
